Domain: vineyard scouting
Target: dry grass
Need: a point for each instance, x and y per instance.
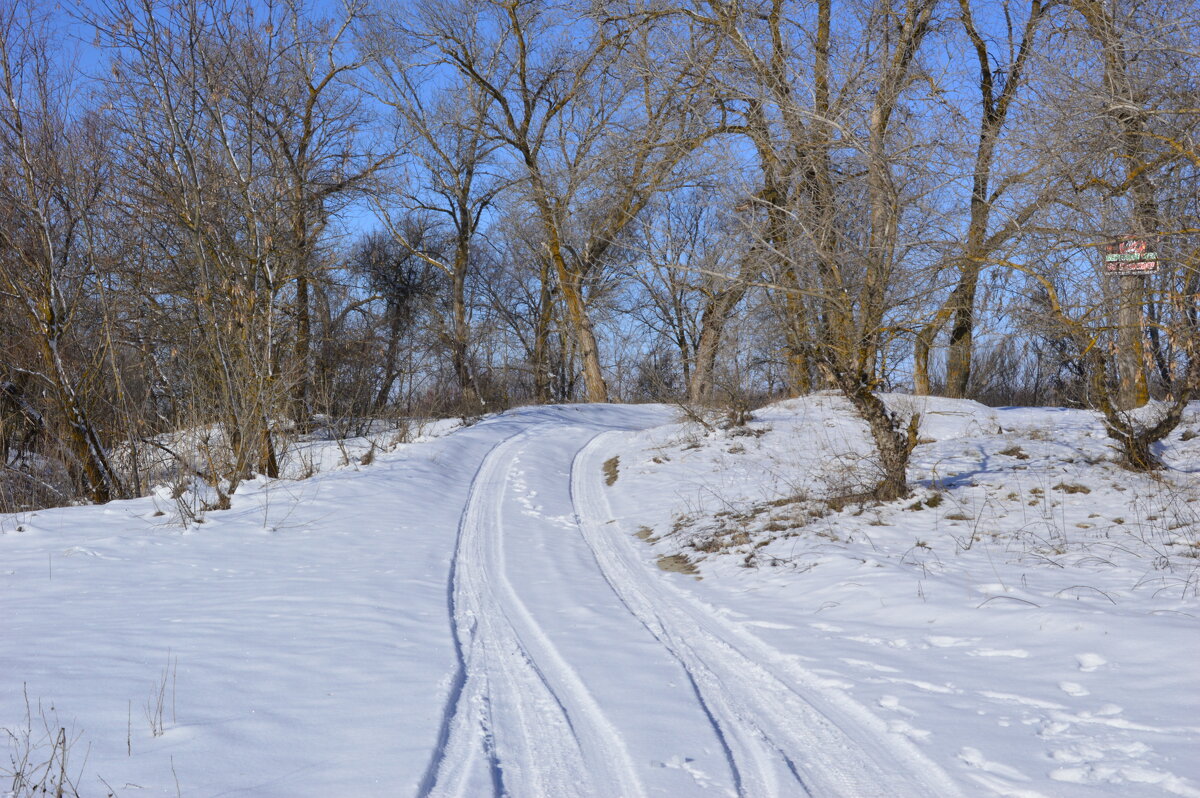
(677, 563)
(1015, 451)
(611, 466)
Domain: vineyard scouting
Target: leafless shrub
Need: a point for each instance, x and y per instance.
(39, 756)
(162, 698)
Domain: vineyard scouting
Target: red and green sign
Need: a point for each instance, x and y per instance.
(1130, 255)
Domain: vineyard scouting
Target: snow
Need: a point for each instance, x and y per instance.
(479, 612)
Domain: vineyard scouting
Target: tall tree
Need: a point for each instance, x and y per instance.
(444, 128)
(832, 200)
(998, 85)
(53, 183)
(593, 122)
(315, 143)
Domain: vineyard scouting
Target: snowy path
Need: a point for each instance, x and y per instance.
(516, 700)
(472, 615)
(540, 573)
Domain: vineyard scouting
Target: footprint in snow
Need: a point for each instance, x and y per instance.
(1090, 662)
(1093, 752)
(1073, 689)
(892, 703)
(1018, 653)
(768, 625)
(908, 730)
(928, 687)
(684, 763)
(975, 758)
(943, 641)
(825, 627)
(76, 550)
(1096, 772)
(1025, 701)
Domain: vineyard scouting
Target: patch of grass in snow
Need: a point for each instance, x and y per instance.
(645, 533)
(161, 698)
(677, 563)
(746, 529)
(611, 470)
(1014, 451)
(932, 501)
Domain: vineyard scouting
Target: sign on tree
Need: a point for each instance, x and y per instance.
(1130, 256)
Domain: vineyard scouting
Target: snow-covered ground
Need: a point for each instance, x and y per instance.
(611, 601)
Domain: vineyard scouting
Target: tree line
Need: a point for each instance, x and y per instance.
(271, 218)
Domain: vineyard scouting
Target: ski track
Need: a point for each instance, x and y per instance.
(518, 721)
(783, 732)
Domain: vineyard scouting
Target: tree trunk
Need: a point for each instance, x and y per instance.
(1131, 121)
(1132, 390)
(581, 324)
(1136, 442)
(389, 359)
(712, 325)
(102, 483)
(921, 351)
(302, 390)
(960, 349)
(269, 462)
(460, 333)
(541, 338)
(894, 442)
(961, 303)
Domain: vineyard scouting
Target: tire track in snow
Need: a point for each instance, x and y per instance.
(457, 683)
(782, 730)
(519, 721)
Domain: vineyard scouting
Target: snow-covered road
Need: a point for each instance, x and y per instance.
(481, 614)
(582, 673)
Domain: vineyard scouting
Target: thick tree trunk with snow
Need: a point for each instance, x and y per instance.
(1137, 436)
(894, 437)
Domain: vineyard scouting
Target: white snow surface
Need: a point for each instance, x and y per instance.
(613, 601)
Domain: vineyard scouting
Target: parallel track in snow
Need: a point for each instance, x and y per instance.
(784, 734)
(518, 721)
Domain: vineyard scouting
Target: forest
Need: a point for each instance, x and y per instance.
(248, 221)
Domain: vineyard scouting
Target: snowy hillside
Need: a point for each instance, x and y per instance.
(619, 601)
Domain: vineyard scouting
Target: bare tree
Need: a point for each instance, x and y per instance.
(314, 142)
(52, 184)
(1139, 149)
(697, 261)
(444, 128)
(201, 194)
(836, 242)
(593, 122)
(1126, 139)
(398, 273)
(999, 85)
(242, 138)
